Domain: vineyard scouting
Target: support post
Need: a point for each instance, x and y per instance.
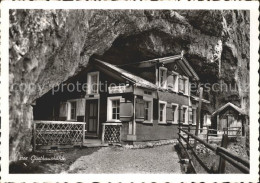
(34, 137)
(188, 138)
(179, 122)
(103, 133)
(198, 116)
(134, 124)
(207, 134)
(222, 162)
(83, 134)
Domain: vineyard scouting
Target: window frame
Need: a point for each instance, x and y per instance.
(165, 79)
(185, 81)
(176, 82)
(176, 116)
(164, 112)
(186, 115)
(150, 100)
(89, 90)
(69, 110)
(109, 108)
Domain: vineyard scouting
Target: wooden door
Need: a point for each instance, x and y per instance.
(92, 117)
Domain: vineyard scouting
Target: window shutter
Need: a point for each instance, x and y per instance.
(194, 116)
(190, 115)
(126, 111)
(170, 81)
(186, 86)
(169, 114)
(80, 107)
(139, 110)
(180, 115)
(63, 109)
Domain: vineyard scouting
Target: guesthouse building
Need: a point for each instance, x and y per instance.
(135, 102)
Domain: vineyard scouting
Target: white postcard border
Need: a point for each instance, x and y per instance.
(254, 97)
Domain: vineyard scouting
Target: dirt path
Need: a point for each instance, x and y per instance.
(160, 159)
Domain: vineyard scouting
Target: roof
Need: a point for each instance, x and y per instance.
(127, 75)
(229, 104)
(180, 59)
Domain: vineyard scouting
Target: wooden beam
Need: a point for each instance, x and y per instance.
(222, 162)
(199, 111)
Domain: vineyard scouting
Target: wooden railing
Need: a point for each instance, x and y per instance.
(232, 131)
(49, 134)
(225, 155)
(111, 133)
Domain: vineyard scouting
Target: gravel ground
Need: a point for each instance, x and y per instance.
(159, 159)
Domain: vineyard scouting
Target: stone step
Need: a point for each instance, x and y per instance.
(95, 145)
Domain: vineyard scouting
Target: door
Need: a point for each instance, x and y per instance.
(92, 117)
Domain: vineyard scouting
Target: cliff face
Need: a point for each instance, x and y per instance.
(48, 47)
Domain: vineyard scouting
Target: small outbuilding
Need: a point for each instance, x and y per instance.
(231, 119)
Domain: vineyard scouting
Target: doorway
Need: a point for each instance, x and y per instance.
(92, 118)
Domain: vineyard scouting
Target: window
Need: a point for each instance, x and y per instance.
(144, 109)
(172, 81)
(147, 92)
(185, 114)
(113, 108)
(181, 85)
(162, 112)
(162, 77)
(148, 109)
(172, 113)
(175, 112)
(93, 80)
(184, 85)
(72, 110)
(193, 116)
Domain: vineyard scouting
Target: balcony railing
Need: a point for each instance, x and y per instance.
(49, 134)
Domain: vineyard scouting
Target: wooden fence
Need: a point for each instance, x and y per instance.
(225, 155)
(50, 134)
(232, 131)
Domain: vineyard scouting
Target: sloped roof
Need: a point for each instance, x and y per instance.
(229, 104)
(127, 75)
(180, 59)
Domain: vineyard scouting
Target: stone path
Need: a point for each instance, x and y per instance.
(159, 159)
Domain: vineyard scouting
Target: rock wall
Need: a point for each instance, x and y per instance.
(49, 46)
